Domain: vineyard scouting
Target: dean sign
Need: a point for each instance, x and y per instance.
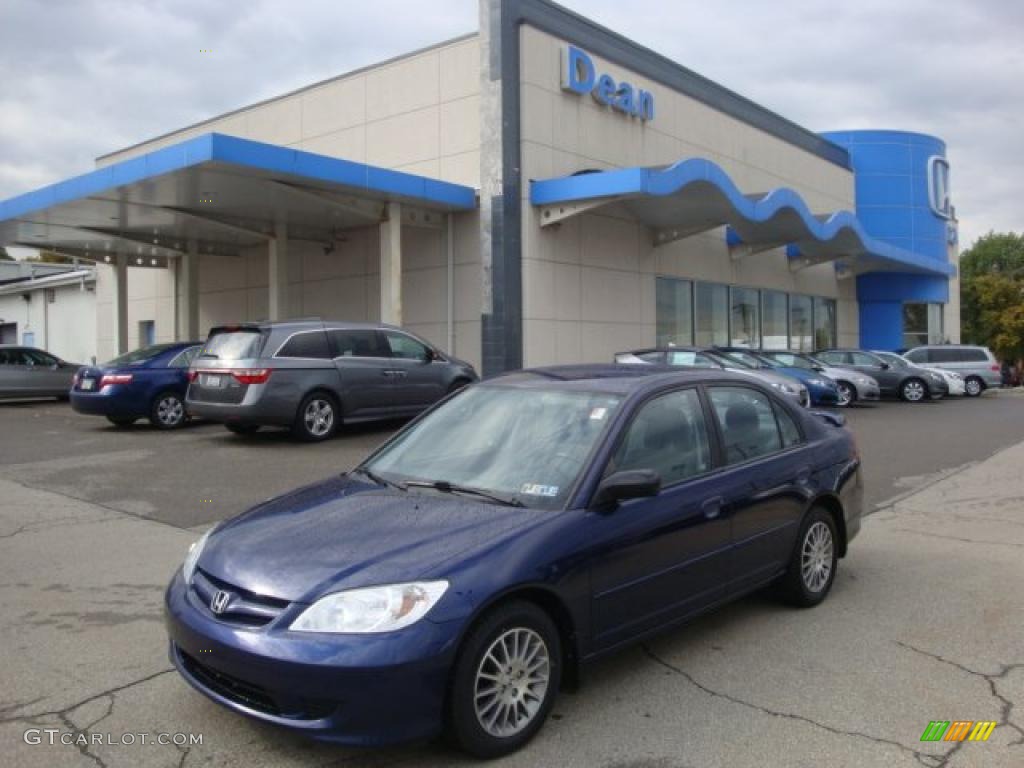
(580, 75)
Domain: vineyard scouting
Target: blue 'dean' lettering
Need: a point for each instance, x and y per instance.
(580, 76)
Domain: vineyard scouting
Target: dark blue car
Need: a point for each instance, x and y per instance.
(148, 383)
(822, 389)
(517, 531)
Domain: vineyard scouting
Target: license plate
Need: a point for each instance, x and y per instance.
(211, 380)
(88, 384)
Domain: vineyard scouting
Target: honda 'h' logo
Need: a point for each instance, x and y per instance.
(220, 601)
(938, 187)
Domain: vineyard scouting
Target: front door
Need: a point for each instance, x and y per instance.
(888, 378)
(662, 558)
(417, 379)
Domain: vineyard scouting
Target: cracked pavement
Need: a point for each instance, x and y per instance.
(926, 622)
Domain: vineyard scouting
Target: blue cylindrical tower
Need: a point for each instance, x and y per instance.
(902, 194)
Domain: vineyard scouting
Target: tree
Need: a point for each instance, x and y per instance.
(4, 255)
(49, 257)
(992, 294)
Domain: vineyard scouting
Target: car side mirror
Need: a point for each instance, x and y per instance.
(627, 484)
(819, 368)
(884, 366)
(429, 356)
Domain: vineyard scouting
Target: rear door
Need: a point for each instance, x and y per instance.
(45, 375)
(363, 362)
(418, 379)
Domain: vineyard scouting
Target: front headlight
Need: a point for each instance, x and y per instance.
(936, 377)
(783, 387)
(188, 569)
(373, 609)
(817, 383)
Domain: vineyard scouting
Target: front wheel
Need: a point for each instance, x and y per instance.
(505, 680)
(316, 419)
(847, 394)
(973, 386)
(913, 391)
(167, 411)
(812, 566)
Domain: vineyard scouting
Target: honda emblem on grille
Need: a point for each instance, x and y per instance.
(220, 601)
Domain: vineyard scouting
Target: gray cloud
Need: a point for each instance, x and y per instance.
(84, 77)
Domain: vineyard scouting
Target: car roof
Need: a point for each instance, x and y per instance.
(613, 378)
(298, 324)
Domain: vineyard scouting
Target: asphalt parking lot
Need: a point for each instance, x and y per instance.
(924, 621)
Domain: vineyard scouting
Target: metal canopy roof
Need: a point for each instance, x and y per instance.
(223, 192)
(697, 195)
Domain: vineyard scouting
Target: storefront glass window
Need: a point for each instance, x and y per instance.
(800, 337)
(936, 327)
(674, 311)
(712, 305)
(746, 317)
(774, 320)
(824, 323)
(922, 324)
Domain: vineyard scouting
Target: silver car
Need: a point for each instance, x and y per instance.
(977, 366)
(31, 372)
(311, 376)
(687, 357)
(852, 385)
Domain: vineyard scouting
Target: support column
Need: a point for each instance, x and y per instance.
(391, 266)
(187, 279)
(277, 263)
(120, 270)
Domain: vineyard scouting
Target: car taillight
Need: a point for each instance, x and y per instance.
(252, 375)
(192, 375)
(995, 368)
(115, 378)
(75, 379)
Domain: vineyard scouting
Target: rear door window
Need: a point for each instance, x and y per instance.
(405, 346)
(357, 343)
(237, 344)
(747, 421)
(306, 345)
(835, 358)
(970, 355)
(861, 358)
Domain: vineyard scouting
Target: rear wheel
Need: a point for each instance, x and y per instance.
(812, 566)
(242, 429)
(317, 417)
(913, 390)
(973, 386)
(847, 394)
(167, 411)
(121, 421)
(505, 680)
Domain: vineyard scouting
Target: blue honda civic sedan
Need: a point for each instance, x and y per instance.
(822, 389)
(148, 383)
(512, 534)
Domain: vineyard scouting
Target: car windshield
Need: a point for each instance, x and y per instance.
(521, 444)
(234, 344)
(139, 356)
(728, 362)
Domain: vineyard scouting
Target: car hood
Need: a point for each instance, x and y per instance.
(803, 375)
(343, 533)
(770, 377)
(844, 373)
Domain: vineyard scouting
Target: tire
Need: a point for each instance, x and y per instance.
(316, 418)
(121, 421)
(242, 429)
(805, 584)
(527, 633)
(847, 394)
(913, 391)
(973, 386)
(167, 411)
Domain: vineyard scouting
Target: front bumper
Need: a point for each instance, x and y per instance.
(360, 690)
(868, 391)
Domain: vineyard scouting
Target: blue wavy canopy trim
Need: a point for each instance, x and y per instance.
(712, 194)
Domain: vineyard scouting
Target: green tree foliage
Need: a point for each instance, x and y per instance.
(992, 294)
(49, 257)
(4, 255)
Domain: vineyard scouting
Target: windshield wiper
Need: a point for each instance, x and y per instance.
(445, 487)
(372, 476)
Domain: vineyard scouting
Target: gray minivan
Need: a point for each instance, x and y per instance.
(976, 365)
(312, 375)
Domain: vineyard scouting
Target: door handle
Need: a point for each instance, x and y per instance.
(712, 508)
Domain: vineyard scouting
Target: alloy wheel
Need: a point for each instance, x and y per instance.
(511, 682)
(170, 411)
(318, 417)
(973, 387)
(816, 557)
(845, 393)
(913, 391)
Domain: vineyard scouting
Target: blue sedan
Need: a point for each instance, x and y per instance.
(514, 533)
(147, 383)
(822, 389)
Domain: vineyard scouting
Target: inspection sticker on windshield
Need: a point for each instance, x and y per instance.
(532, 489)
(598, 413)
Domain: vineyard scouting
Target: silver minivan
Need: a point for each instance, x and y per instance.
(976, 365)
(312, 376)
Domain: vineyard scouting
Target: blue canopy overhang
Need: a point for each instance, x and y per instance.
(222, 194)
(696, 195)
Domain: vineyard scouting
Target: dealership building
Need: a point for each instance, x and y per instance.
(541, 191)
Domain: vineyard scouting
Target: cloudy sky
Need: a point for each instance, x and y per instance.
(79, 78)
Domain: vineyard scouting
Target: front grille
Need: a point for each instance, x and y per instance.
(253, 696)
(242, 606)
